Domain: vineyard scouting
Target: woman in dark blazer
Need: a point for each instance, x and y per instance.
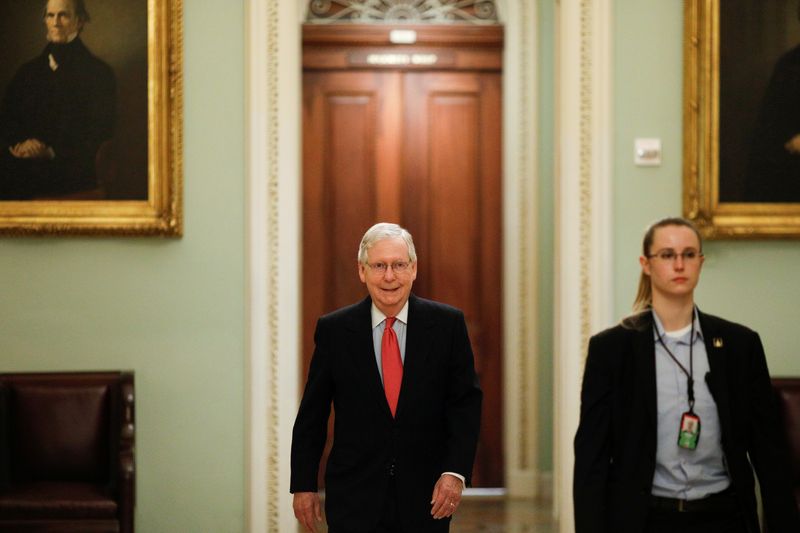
(674, 402)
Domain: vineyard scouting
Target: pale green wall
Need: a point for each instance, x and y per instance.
(750, 282)
(169, 309)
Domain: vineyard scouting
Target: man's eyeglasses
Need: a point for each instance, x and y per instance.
(672, 255)
(398, 267)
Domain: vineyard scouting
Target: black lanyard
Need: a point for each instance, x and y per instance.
(690, 372)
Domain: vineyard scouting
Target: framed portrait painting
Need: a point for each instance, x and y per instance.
(741, 117)
(91, 117)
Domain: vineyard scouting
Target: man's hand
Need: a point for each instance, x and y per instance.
(307, 509)
(446, 496)
(31, 149)
(793, 145)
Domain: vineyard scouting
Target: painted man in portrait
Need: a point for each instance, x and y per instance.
(56, 113)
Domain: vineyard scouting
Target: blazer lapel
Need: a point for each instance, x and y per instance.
(716, 378)
(418, 346)
(645, 361)
(360, 327)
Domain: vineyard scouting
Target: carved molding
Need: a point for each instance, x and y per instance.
(585, 180)
(273, 429)
(584, 250)
(402, 11)
(526, 401)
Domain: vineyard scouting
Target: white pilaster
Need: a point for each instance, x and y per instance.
(273, 253)
(520, 266)
(583, 216)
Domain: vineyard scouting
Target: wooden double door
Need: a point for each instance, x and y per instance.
(421, 148)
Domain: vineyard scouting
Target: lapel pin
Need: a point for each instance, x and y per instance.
(717, 342)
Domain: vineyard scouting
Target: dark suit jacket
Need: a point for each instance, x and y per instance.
(615, 446)
(435, 429)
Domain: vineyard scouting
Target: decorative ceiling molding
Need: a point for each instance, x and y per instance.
(403, 11)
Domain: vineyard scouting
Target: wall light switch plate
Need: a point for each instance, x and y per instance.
(647, 152)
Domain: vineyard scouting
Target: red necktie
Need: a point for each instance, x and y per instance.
(391, 365)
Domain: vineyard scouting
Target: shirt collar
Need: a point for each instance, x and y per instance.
(378, 316)
(659, 329)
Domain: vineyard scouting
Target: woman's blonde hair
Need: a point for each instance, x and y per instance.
(644, 294)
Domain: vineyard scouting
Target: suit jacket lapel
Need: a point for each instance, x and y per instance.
(645, 361)
(418, 346)
(716, 379)
(360, 327)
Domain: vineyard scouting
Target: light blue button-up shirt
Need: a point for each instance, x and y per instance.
(379, 324)
(681, 473)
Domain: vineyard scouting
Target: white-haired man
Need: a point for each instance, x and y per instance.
(400, 371)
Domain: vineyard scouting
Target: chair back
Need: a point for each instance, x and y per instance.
(787, 391)
(67, 449)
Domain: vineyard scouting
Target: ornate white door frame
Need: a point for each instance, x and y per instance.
(273, 181)
(273, 62)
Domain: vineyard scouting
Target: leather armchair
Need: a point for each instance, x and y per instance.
(67, 452)
(788, 393)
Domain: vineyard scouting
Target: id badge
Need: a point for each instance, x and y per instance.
(689, 433)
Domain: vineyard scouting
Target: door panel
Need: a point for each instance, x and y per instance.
(452, 130)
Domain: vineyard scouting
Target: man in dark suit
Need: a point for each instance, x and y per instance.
(407, 404)
(676, 405)
(57, 111)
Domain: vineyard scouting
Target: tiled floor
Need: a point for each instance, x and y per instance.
(503, 515)
(500, 515)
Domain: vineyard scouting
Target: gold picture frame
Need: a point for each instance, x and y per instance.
(707, 200)
(157, 208)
